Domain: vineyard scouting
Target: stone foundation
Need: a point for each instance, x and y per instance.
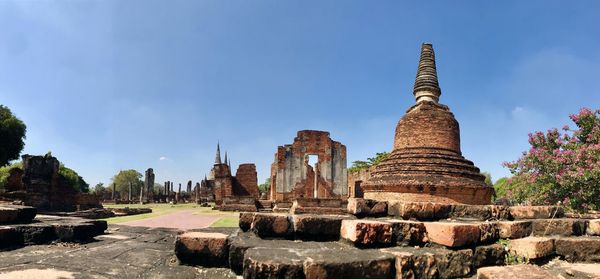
(463, 242)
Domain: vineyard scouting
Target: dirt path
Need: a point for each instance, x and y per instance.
(183, 220)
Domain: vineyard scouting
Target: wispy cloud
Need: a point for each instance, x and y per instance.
(163, 158)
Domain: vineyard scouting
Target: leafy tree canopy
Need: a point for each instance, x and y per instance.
(124, 178)
(159, 188)
(264, 188)
(5, 172)
(488, 178)
(99, 188)
(74, 179)
(12, 136)
(373, 161)
(560, 166)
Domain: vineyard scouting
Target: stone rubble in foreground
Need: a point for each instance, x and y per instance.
(271, 245)
(21, 226)
(122, 252)
(414, 240)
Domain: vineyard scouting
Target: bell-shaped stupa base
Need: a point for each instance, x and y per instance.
(426, 164)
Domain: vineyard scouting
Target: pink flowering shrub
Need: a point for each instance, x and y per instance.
(561, 166)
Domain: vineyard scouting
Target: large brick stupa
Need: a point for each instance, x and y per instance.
(426, 164)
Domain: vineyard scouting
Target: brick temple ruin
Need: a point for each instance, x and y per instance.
(39, 184)
(239, 192)
(428, 215)
(293, 179)
(426, 164)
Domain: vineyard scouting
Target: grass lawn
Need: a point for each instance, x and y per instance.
(229, 219)
(230, 222)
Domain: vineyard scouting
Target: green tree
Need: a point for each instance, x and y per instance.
(500, 187)
(159, 188)
(12, 136)
(488, 179)
(122, 180)
(264, 188)
(74, 179)
(373, 161)
(99, 188)
(5, 172)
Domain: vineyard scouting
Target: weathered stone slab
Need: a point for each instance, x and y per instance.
(532, 247)
(453, 234)
(565, 269)
(246, 220)
(367, 232)
(358, 207)
(536, 212)
(422, 211)
(318, 210)
(349, 264)
(379, 209)
(364, 207)
(92, 213)
(273, 263)
(126, 211)
(243, 242)
(593, 227)
(431, 262)
(489, 255)
(74, 232)
(471, 212)
(406, 232)
(8, 237)
(8, 215)
(35, 233)
(578, 249)
(272, 225)
(99, 225)
(561, 227)
(24, 213)
(317, 227)
(202, 248)
(524, 271)
(514, 229)
(488, 232)
(238, 247)
(500, 212)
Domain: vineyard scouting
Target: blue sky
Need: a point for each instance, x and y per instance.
(109, 85)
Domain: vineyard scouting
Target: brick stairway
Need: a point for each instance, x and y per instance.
(414, 240)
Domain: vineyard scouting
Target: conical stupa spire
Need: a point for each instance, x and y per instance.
(218, 156)
(226, 158)
(426, 84)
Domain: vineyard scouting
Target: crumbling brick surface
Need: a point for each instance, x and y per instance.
(247, 181)
(13, 182)
(292, 177)
(226, 188)
(429, 166)
(42, 186)
(355, 180)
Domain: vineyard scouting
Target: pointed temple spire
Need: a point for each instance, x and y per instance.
(426, 84)
(218, 156)
(226, 158)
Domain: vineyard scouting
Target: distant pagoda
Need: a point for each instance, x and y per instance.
(426, 164)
